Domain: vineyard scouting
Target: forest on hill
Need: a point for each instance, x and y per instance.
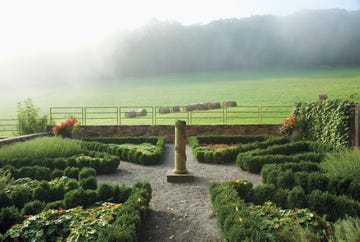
(306, 39)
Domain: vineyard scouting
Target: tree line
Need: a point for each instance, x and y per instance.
(309, 38)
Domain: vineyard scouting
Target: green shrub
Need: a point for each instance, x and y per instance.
(326, 121)
(121, 193)
(317, 181)
(38, 149)
(60, 163)
(33, 207)
(79, 197)
(56, 173)
(347, 229)
(345, 163)
(5, 199)
(87, 172)
(57, 192)
(285, 179)
(55, 205)
(263, 193)
(72, 172)
(21, 195)
(297, 198)
(89, 183)
(280, 198)
(8, 217)
(71, 184)
(29, 120)
(105, 192)
(42, 192)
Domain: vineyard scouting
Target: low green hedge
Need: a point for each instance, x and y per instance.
(309, 177)
(107, 221)
(242, 221)
(28, 197)
(250, 142)
(293, 152)
(141, 150)
(102, 162)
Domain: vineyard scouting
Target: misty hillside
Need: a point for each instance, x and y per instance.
(310, 38)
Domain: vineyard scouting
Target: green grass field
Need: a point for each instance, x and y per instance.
(254, 88)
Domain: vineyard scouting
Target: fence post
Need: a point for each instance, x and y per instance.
(357, 126)
(260, 114)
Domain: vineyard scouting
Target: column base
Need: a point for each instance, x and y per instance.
(174, 177)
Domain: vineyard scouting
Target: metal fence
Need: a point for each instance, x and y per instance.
(8, 127)
(157, 115)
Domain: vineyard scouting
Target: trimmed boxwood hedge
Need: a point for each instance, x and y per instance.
(241, 221)
(293, 152)
(140, 150)
(250, 142)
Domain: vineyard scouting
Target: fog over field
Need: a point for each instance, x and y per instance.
(66, 47)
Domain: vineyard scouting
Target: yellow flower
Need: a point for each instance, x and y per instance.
(240, 219)
(237, 181)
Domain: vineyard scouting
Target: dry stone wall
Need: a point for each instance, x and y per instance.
(168, 131)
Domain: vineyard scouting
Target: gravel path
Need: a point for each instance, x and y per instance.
(179, 211)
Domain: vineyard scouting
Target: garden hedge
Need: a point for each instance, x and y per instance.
(293, 152)
(140, 150)
(125, 226)
(242, 221)
(205, 154)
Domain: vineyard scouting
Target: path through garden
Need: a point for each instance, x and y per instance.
(179, 211)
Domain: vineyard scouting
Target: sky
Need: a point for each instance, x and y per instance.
(29, 26)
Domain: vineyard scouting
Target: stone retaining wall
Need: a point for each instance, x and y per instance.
(168, 131)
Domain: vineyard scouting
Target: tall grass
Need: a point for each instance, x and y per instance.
(40, 148)
(345, 163)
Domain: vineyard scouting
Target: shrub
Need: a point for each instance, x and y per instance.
(33, 207)
(317, 181)
(285, 179)
(121, 193)
(79, 197)
(71, 184)
(297, 198)
(105, 192)
(89, 183)
(86, 172)
(56, 173)
(55, 205)
(20, 195)
(8, 217)
(5, 199)
(29, 120)
(263, 193)
(72, 172)
(345, 163)
(42, 192)
(57, 192)
(347, 229)
(60, 163)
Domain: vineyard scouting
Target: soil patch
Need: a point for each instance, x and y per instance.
(220, 146)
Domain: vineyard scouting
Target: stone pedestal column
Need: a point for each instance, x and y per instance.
(180, 147)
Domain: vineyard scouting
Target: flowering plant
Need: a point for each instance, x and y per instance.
(66, 127)
(288, 125)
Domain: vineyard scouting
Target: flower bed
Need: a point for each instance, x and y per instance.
(140, 150)
(206, 154)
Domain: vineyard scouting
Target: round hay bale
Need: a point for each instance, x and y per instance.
(214, 105)
(141, 112)
(201, 106)
(130, 114)
(229, 103)
(176, 109)
(322, 96)
(164, 110)
(188, 108)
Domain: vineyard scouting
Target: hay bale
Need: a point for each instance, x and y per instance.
(164, 110)
(201, 106)
(214, 105)
(175, 109)
(141, 112)
(188, 108)
(228, 103)
(130, 114)
(322, 96)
